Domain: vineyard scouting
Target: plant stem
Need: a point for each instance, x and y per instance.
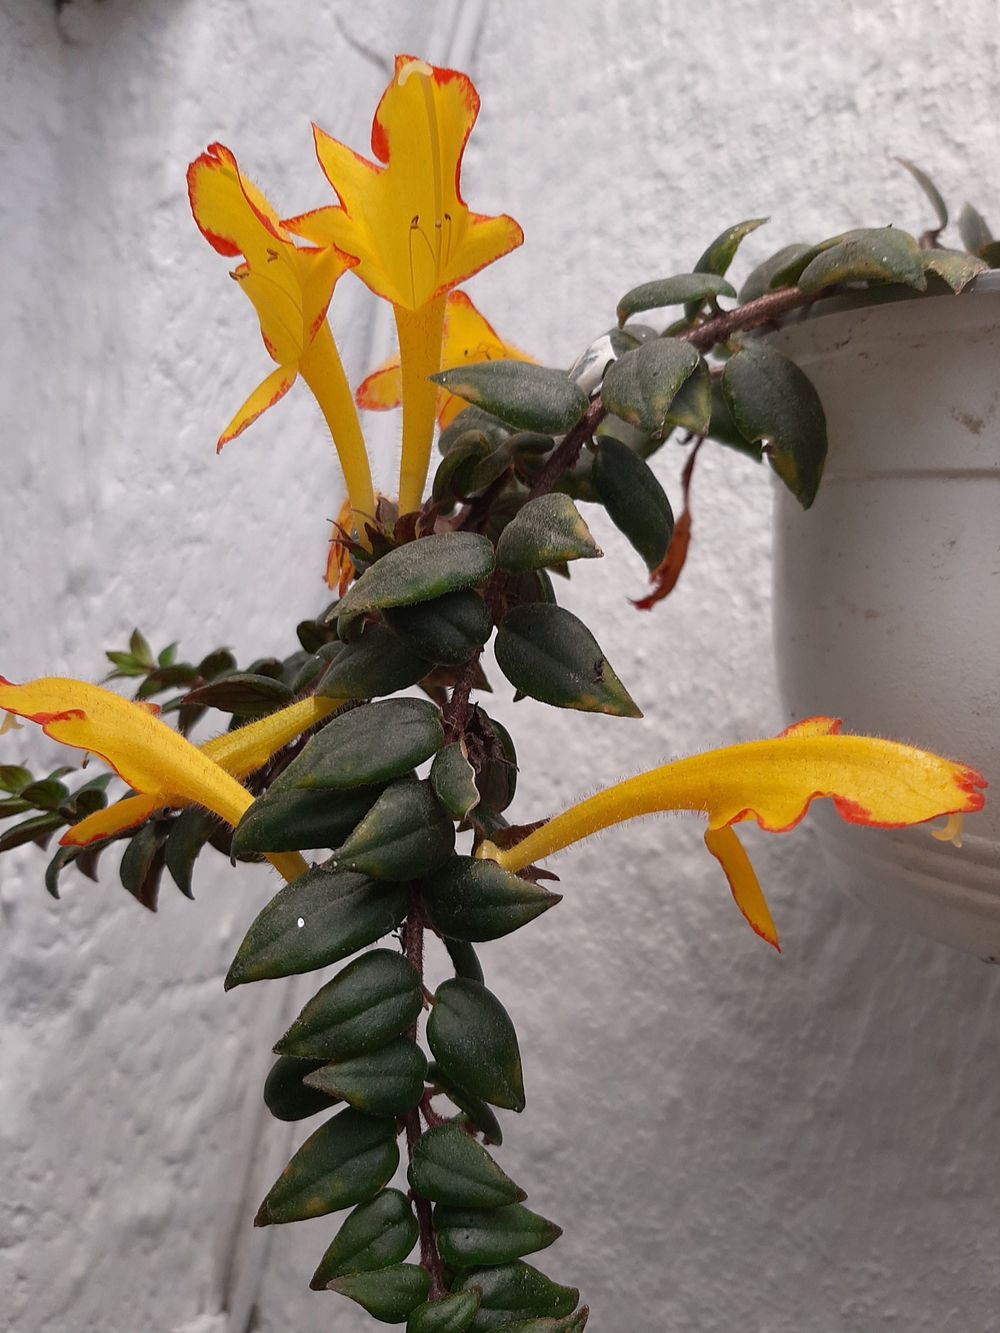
(765, 310)
(413, 949)
(568, 452)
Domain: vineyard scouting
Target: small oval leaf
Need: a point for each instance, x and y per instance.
(291, 821)
(546, 652)
(636, 502)
(243, 694)
(478, 1113)
(420, 570)
(369, 1002)
(973, 229)
(447, 630)
(930, 190)
(389, 1294)
(677, 290)
(878, 254)
(389, 1081)
(451, 1314)
(454, 780)
(319, 918)
(520, 393)
(346, 1161)
(642, 385)
(545, 531)
(516, 1291)
(375, 1235)
(474, 1042)
(476, 900)
(287, 1097)
(374, 664)
(765, 277)
(405, 834)
(480, 1237)
(447, 1166)
(955, 267)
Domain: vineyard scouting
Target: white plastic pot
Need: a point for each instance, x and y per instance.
(887, 591)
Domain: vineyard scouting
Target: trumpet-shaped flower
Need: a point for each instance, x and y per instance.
(163, 768)
(290, 287)
(870, 781)
(468, 338)
(410, 228)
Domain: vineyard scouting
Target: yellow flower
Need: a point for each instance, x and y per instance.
(410, 228)
(870, 781)
(290, 287)
(162, 767)
(468, 338)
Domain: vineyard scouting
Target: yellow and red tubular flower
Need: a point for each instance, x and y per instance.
(163, 768)
(411, 230)
(871, 781)
(468, 339)
(290, 288)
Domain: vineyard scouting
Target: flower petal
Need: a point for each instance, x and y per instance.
(407, 221)
(266, 394)
(117, 818)
(730, 854)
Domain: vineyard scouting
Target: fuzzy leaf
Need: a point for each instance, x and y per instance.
(447, 630)
(476, 900)
(245, 694)
(474, 1042)
(478, 1113)
(420, 570)
(516, 1291)
(405, 834)
(449, 1167)
(454, 780)
(677, 290)
(377, 663)
(636, 502)
(451, 1314)
(291, 821)
(366, 746)
(520, 393)
(480, 1237)
(930, 190)
(387, 1081)
(973, 229)
(643, 384)
(545, 531)
(374, 1236)
(287, 1097)
(878, 254)
(388, 1295)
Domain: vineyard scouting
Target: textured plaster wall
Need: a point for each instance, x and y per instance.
(732, 1139)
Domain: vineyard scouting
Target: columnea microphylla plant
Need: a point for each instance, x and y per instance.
(369, 740)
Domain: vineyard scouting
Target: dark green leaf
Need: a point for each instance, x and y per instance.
(140, 649)
(478, 1113)
(243, 693)
(474, 1042)
(377, 663)
(319, 918)
(366, 746)
(480, 1237)
(189, 833)
(878, 254)
(367, 1004)
(773, 401)
(720, 254)
(973, 229)
(547, 653)
(673, 291)
(762, 279)
(142, 864)
(451, 1314)
(636, 502)
(573, 1323)
(125, 665)
(293, 820)
(420, 570)
(287, 1097)
(524, 395)
(641, 387)
(389, 1081)
(14, 778)
(447, 630)
(389, 1295)
(691, 409)
(722, 428)
(447, 1166)
(35, 829)
(13, 805)
(464, 959)
(496, 760)
(46, 794)
(166, 656)
(405, 834)
(216, 664)
(476, 900)
(165, 678)
(374, 1236)
(467, 421)
(516, 1291)
(465, 465)
(990, 254)
(955, 267)
(930, 190)
(64, 856)
(547, 530)
(346, 1161)
(454, 780)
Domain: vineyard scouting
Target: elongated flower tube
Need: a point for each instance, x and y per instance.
(163, 768)
(468, 338)
(870, 781)
(290, 287)
(411, 230)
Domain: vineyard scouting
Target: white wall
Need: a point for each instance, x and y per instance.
(732, 1139)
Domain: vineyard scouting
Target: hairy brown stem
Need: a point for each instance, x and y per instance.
(568, 452)
(765, 310)
(413, 949)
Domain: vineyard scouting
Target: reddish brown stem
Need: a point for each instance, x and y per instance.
(765, 310)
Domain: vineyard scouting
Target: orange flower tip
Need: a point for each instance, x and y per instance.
(215, 158)
(813, 726)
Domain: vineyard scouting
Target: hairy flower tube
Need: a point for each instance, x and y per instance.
(468, 338)
(410, 228)
(163, 768)
(290, 287)
(879, 783)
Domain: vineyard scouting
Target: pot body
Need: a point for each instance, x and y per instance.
(887, 591)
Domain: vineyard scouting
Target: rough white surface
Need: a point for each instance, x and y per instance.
(731, 1139)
